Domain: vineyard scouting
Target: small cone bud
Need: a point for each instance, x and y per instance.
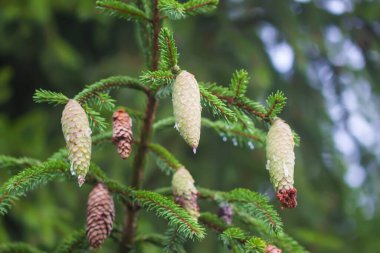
(184, 192)
(272, 249)
(77, 133)
(226, 212)
(100, 215)
(280, 163)
(187, 108)
(122, 133)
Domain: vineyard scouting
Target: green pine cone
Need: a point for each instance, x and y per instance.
(280, 163)
(77, 133)
(184, 192)
(187, 108)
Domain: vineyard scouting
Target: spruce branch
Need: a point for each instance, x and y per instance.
(164, 123)
(167, 209)
(165, 160)
(275, 103)
(234, 238)
(76, 241)
(108, 84)
(172, 9)
(296, 138)
(102, 101)
(173, 242)
(50, 97)
(168, 50)
(282, 240)
(9, 161)
(97, 121)
(28, 180)
(18, 247)
(215, 105)
(195, 7)
(239, 82)
(154, 239)
(157, 79)
(255, 205)
(239, 134)
(120, 9)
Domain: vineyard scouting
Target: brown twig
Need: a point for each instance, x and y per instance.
(138, 163)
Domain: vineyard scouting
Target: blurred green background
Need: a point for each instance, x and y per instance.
(324, 54)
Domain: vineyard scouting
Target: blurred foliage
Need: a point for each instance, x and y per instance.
(324, 55)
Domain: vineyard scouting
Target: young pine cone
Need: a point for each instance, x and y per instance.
(122, 133)
(280, 163)
(100, 215)
(184, 192)
(272, 249)
(226, 212)
(77, 133)
(187, 108)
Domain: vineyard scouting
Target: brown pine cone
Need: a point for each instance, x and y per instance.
(100, 215)
(122, 133)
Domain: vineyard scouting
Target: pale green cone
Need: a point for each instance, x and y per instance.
(184, 192)
(187, 108)
(280, 161)
(77, 133)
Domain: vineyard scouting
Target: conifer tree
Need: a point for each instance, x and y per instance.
(247, 221)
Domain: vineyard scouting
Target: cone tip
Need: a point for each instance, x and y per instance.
(194, 150)
(288, 198)
(81, 180)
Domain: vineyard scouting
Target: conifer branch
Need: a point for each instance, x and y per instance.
(76, 241)
(167, 209)
(216, 106)
(97, 121)
(239, 83)
(121, 10)
(239, 134)
(28, 180)
(157, 79)
(50, 97)
(154, 239)
(275, 103)
(108, 84)
(164, 123)
(9, 161)
(168, 50)
(255, 205)
(172, 9)
(18, 247)
(165, 160)
(282, 240)
(194, 7)
(173, 242)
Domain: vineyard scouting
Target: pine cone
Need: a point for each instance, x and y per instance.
(187, 108)
(280, 163)
(77, 133)
(100, 215)
(272, 249)
(226, 212)
(122, 133)
(184, 192)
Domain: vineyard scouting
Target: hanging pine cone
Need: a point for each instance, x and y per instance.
(280, 163)
(122, 133)
(184, 192)
(187, 108)
(77, 133)
(100, 215)
(226, 212)
(272, 249)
